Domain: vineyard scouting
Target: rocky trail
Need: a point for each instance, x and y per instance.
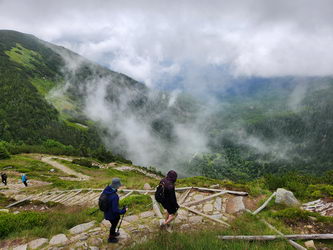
(198, 206)
(65, 169)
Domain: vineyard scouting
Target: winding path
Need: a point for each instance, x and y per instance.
(67, 170)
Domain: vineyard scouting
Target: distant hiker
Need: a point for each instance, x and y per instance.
(109, 204)
(24, 180)
(4, 178)
(166, 195)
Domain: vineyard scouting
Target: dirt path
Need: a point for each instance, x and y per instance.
(65, 169)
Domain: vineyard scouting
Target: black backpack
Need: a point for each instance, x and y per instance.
(159, 194)
(103, 202)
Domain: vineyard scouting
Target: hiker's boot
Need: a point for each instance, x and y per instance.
(168, 228)
(162, 225)
(113, 240)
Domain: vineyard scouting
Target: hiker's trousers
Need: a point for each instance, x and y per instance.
(113, 227)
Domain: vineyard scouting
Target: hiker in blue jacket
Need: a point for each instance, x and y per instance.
(113, 212)
(24, 180)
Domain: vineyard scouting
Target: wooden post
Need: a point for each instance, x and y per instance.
(184, 196)
(156, 207)
(291, 242)
(192, 203)
(128, 194)
(265, 204)
(274, 237)
(205, 215)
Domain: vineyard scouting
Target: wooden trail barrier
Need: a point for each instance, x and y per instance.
(205, 215)
(275, 237)
(265, 204)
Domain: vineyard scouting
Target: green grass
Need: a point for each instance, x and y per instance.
(24, 56)
(136, 203)
(42, 85)
(44, 224)
(243, 225)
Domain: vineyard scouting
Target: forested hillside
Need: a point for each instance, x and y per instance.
(52, 97)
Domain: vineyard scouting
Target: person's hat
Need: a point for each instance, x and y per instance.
(116, 183)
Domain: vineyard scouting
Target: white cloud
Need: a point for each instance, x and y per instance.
(155, 41)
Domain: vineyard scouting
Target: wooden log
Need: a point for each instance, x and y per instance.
(128, 194)
(69, 196)
(207, 198)
(86, 197)
(18, 202)
(291, 242)
(221, 190)
(205, 215)
(265, 204)
(156, 207)
(274, 237)
(184, 196)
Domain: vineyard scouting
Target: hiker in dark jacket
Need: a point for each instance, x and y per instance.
(170, 201)
(113, 212)
(4, 178)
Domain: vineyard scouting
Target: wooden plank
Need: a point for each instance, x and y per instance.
(274, 237)
(291, 242)
(221, 190)
(83, 199)
(207, 198)
(265, 204)
(18, 202)
(126, 195)
(156, 207)
(69, 196)
(184, 196)
(205, 215)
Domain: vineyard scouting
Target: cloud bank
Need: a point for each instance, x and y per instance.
(186, 44)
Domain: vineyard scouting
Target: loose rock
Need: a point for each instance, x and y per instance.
(310, 244)
(147, 214)
(146, 186)
(82, 227)
(37, 243)
(58, 239)
(21, 247)
(195, 219)
(131, 218)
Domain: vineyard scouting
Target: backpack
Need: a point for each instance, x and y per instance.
(103, 202)
(159, 194)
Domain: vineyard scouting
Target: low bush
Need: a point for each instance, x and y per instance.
(83, 162)
(137, 203)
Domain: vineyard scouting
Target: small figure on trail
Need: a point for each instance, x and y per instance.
(24, 180)
(109, 204)
(166, 195)
(4, 178)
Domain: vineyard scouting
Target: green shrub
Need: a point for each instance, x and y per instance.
(136, 203)
(320, 191)
(83, 162)
(3, 152)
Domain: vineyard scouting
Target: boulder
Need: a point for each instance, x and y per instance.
(218, 204)
(58, 239)
(82, 227)
(4, 210)
(195, 219)
(147, 214)
(21, 247)
(105, 223)
(215, 186)
(286, 197)
(146, 186)
(131, 218)
(235, 205)
(198, 197)
(208, 208)
(37, 243)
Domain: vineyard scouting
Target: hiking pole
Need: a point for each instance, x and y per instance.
(122, 217)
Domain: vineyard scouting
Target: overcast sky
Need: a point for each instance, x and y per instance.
(191, 43)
